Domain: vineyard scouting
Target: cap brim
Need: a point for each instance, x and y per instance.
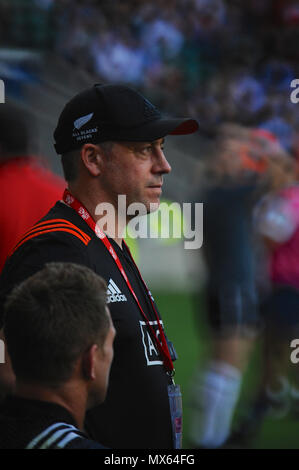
(158, 129)
(187, 126)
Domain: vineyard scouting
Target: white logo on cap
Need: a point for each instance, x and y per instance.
(82, 120)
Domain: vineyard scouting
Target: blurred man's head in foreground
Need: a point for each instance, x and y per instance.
(58, 330)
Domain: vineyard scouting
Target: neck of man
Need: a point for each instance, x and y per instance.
(104, 211)
(70, 396)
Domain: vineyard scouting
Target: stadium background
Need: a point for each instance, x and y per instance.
(214, 60)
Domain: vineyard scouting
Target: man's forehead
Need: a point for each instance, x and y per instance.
(141, 144)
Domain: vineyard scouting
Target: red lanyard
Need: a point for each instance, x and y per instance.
(71, 201)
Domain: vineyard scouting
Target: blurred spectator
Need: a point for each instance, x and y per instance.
(277, 75)
(235, 172)
(162, 37)
(27, 188)
(247, 96)
(279, 127)
(277, 222)
(118, 58)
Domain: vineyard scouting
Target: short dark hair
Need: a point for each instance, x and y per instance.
(70, 161)
(70, 165)
(51, 318)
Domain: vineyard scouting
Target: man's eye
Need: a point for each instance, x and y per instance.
(146, 149)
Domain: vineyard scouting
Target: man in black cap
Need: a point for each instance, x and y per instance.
(111, 142)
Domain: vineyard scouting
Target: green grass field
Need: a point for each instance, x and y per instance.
(190, 338)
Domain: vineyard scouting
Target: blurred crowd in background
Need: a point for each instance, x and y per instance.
(224, 60)
(228, 64)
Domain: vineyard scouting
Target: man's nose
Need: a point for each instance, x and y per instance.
(161, 164)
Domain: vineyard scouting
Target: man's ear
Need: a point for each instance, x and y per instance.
(89, 362)
(92, 158)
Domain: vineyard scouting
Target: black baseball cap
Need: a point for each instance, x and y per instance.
(113, 112)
